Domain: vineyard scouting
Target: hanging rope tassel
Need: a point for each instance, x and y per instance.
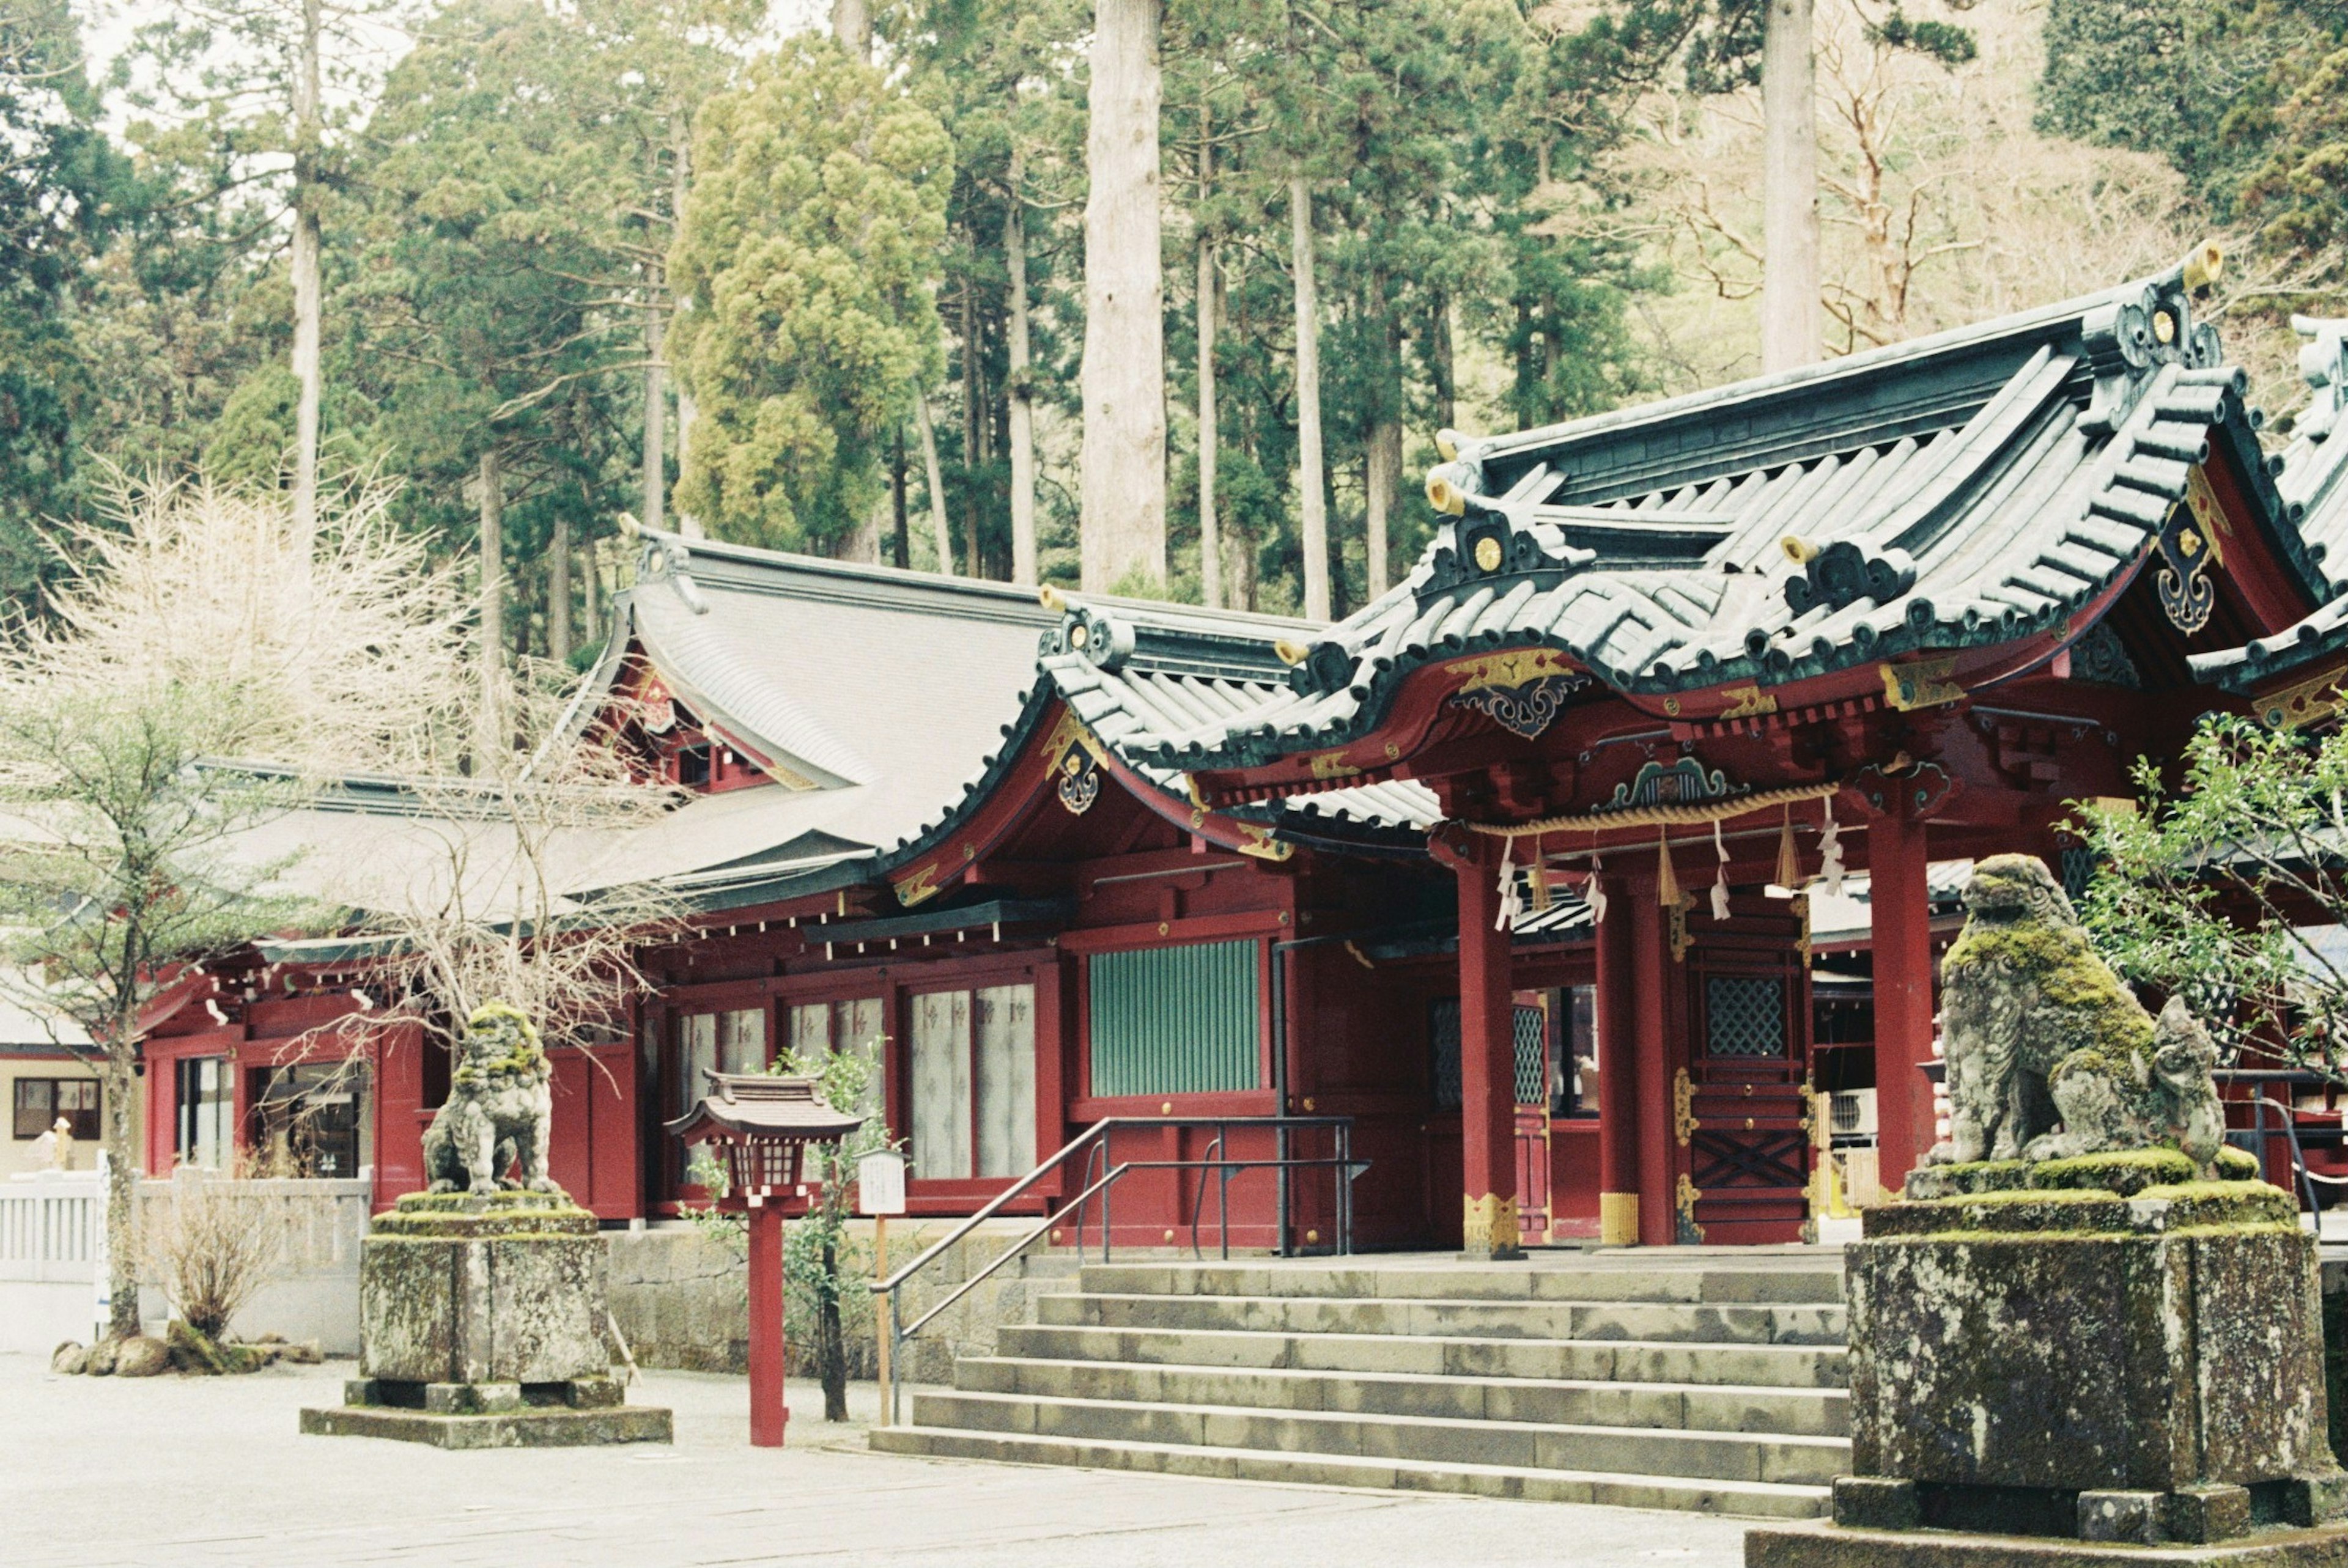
(1511, 902)
(1789, 859)
(1541, 878)
(1830, 854)
(1667, 886)
(1720, 886)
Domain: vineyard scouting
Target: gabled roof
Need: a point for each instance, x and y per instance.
(1958, 492)
(2313, 482)
(1128, 668)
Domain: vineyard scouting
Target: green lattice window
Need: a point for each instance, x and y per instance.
(1175, 1020)
(1531, 1032)
(1745, 1016)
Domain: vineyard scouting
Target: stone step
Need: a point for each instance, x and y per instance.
(1807, 1413)
(1781, 1458)
(1761, 1500)
(1678, 1322)
(1817, 1285)
(1623, 1360)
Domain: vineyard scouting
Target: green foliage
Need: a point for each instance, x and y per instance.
(809, 249)
(2201, 891)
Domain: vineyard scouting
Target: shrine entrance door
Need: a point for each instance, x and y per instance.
(1740, 1105)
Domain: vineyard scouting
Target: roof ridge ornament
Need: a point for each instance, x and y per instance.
(1105, 639)
(2323, 361)
(1841, 572)
(2124, 339)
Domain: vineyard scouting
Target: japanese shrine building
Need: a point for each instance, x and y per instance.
(1507, 868)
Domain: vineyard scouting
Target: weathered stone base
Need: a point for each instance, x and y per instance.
(491, 1414)
(1837, 1547)
(527, 1428)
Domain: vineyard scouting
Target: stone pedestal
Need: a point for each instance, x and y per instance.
(483, 1324)
(2043, 1363)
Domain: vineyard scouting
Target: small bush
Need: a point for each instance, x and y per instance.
(212, 1251)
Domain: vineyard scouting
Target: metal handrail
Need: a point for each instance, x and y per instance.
(1104, 1126)
(1349, 1171)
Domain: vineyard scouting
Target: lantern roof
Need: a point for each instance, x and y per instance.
(759, 1106)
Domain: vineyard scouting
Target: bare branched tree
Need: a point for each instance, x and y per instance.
(206, 659)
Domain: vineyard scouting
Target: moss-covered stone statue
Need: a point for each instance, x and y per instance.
(500, 1109)
(2087, 1329)
(484, 1318)
(2039, 1031)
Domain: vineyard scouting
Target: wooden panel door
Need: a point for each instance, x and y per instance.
(1534, 1029)
(1740, 1107)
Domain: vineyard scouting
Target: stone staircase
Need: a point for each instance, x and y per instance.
(1707, 1381)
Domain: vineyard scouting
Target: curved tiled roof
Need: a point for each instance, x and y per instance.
(2313, 482)
(1973, 488)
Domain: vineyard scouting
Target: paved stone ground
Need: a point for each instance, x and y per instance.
(221, 1477)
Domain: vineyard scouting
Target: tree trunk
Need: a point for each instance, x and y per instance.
(1440, 366)
(1024, 568)
(937, 486)
(851, 23)
(1211, 529)
(591, 587)
(1122, 528)
(121, 1181)
(897, 497)
(306, 301)
(1791, 324)
(493, 602)
(831, 1346)
(686, 524)
(1382, 464)
(973, 427)
(656, 474)
(1311, 499)
(558, 591)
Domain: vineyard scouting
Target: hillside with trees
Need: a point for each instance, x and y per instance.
(1159, 296)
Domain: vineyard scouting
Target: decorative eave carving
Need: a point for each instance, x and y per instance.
(2324, 361)
(1840, 574)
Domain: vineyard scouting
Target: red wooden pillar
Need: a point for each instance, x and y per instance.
(1618, 1072)
(769, 1415)
(1652, 972)
(1487, 1109)
(1896, 862)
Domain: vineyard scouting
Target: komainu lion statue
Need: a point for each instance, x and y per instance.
(500, 1112)
(2039, 1031)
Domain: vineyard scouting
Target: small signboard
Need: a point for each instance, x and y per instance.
(881, 1183)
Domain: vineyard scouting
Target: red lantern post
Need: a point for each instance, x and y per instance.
(761, 1127)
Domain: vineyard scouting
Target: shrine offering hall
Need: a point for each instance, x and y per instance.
(1560, 892)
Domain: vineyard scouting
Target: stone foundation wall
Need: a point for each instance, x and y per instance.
(680, 1295)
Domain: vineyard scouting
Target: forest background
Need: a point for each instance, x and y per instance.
(814, 278)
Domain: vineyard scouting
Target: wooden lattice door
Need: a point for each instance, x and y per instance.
(1740, 1104)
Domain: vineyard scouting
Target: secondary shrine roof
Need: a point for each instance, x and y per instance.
(2313, 482)
(1958, 492)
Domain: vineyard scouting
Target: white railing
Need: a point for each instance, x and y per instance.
(49, 1223)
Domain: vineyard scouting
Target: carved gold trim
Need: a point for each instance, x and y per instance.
(2202, 502)
(1618, 1219)
(918, 884)
(1683, 1121)
(1677, 914)
(1331, 766)
(1684, 1200)
(2308, 703)
(1516, 667)
(1750, 703)
(1800, 905)
(1489, 1226)
(1259, 842)
(1922, 683)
